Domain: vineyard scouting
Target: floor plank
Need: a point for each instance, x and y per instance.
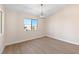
(44, 45)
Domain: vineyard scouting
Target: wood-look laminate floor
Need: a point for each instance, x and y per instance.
(44, 45)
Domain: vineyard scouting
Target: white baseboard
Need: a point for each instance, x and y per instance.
(49, 35)
(30, 38)
(72, 42)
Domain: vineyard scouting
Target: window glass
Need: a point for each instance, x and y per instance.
(30, 24)
(27, 24)
(34, 24)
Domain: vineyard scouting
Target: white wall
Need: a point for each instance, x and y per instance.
(15, 27)
(2, 35)
(64, 25)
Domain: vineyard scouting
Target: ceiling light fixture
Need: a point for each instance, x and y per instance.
(41, 9)
(41, 13)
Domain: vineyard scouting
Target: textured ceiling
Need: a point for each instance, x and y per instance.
(35, 9)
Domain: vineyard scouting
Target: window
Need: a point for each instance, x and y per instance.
(0, 22)
(30, 24)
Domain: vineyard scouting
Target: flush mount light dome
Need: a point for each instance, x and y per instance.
(42, 13)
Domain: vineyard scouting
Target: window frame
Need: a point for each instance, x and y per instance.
(31, 24)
